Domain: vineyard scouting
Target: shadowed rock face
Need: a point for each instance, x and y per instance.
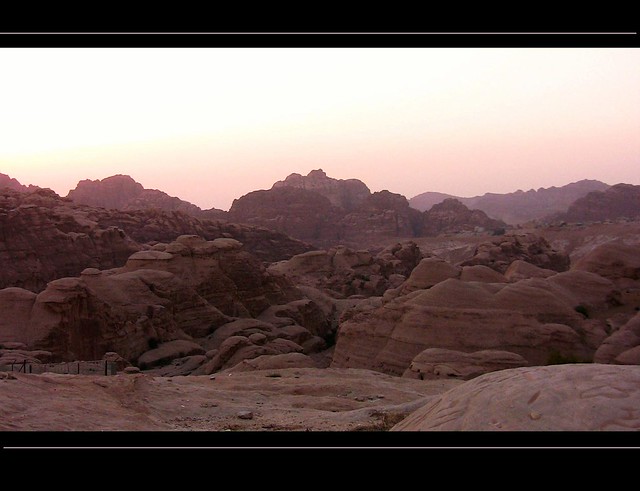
(300, 213)
(44, 237)
(560, 397)
(452, 216)
(187, 289)
(621, 200)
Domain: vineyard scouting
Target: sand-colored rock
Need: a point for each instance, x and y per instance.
(435, 363)
(169, 351)
(274, 362)
(429, 272)
(583, 397)
(625, 339)
(613, 260)
(481, 273)
(520, 270)
(534, 318)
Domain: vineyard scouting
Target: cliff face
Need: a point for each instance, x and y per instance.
(44, 237)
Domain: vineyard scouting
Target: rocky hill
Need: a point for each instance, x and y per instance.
(121, 192)
(619, 201)
(519, 206)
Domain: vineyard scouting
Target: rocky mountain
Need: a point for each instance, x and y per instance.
(121, 192)
(621, 200)
(11, 183)
(44, 237)
(519, 206)
(347, 194)
(329, 212)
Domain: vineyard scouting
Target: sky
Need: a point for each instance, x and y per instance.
(211, 124)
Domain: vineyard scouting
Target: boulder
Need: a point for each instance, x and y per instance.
(169, 351)
(574, 397)
(434, 363)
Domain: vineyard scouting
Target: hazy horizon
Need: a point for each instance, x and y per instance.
(209, 125)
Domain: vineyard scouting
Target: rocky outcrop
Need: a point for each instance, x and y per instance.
(622, 346)
(44, 237)
(535, 318)
(621, 200)
(500, 252)
(382, 214)
(583, 397)
(347, 194)
(520, 206)
(300, 213)
(188, 306)
(613, 260)
(434, 363)
(121, 192)
(345, 272)
(451, 216)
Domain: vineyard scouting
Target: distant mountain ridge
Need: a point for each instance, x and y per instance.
(122, 192)
(519, 206)
(621, 200)
(11, 183)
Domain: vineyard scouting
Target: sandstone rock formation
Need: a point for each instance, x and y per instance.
(172, 302)
(435, 363)
(44, 237)
(622, 346)
(621, 200)
(300, 213)
(614, 260)
(500, 252)
(123, 193)
(582, 397)
(535, 318)
(451, 216)
(347, 194)
(344, 272)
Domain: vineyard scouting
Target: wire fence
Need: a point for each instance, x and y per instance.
(98, 367)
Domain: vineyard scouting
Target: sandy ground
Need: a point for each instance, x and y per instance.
(289, 399)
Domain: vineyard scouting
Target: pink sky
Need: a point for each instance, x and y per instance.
(210, 125)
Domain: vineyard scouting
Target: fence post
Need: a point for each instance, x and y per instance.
(78, 368)
(24, 366)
